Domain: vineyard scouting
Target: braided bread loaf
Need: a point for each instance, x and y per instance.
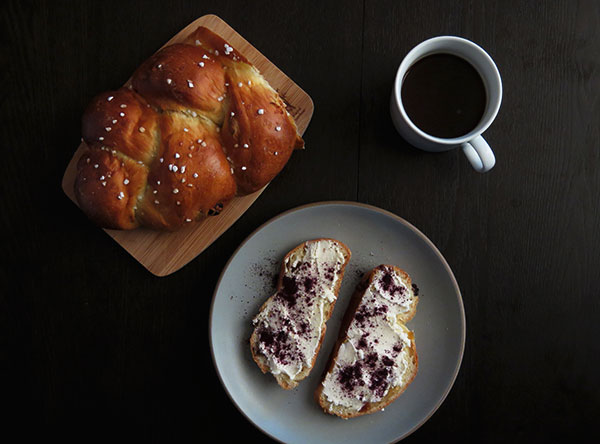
(196, 125)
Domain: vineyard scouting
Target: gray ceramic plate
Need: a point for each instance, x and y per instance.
(375, 237)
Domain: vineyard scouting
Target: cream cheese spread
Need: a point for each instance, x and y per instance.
(376, 353)
(290, 324)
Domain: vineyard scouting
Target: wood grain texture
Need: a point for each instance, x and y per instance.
(163, 253)
(95, 348)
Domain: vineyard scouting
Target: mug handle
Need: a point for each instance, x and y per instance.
(479, 154)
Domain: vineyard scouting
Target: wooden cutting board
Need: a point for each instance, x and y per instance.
(163, 253)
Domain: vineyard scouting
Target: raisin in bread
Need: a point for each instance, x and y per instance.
(290, 327)
(374, 359)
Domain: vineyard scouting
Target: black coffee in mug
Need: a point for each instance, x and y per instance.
(444, 95)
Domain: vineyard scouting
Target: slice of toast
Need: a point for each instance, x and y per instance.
(290, 326)
(375, 358)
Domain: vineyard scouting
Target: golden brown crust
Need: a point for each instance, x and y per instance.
(181, 78)
(353, 305)
(123, 121)
(283, 380)
(188, 178)
(184, 100)
(258, 134)
(108, 186)
(215, 45)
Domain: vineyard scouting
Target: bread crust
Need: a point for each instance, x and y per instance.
(282, 379)
(394, 392)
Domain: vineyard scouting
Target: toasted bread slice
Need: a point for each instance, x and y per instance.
(375, 357)
(290, 326)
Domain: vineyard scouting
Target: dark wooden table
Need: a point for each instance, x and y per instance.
(94, 346)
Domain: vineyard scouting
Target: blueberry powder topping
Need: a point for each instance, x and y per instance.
(289, 290)
(351, 376)
(388, 285)
(362, 342)
(364, 313)
(379, 381)
(277, 343)
(415, 289)
(387, 361)
(309, 284)
(371, 360)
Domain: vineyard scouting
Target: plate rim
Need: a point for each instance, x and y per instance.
(377, 210)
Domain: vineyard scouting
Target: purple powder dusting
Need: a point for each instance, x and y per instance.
(360, 317)
(379, 382)
(362, 342)
(364, 313)
(351, 376)
(387, 361)
(371, 360)
(309, 284)
(289, 290)
(276, 344)
(301, 266)
(386, 281)
(303, 327)
(266, 271)
(387, 284)
(271, 339)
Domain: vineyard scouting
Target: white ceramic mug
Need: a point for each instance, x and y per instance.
(473, 145)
